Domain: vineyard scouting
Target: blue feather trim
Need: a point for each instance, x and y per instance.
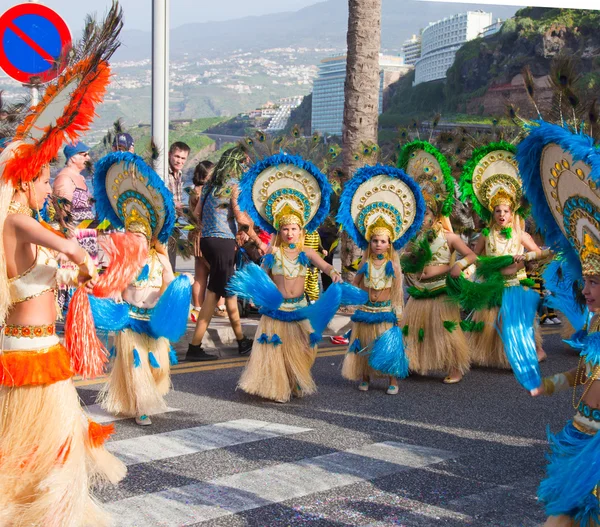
(560, 279)
(529, 154)
(247, 183)
(137, 362)
(355, 347)
(170, 315)
(283, 316)
(389, 269)
(348, 334)
(113, 353)
(108, 314)
(253, 283)
(323, 310)
(315, 339)
(577, 340)
(592, 349)
(153, 361)
(363, 269)
(572, 474)
(276, 340)
(268, 261)
(143, 273)
(104, 209)
(517, 313)
(352, 295)
(173, 361)
(363, 174)
(263, 339)
(387, 354)
(303, 259)
(367, 317)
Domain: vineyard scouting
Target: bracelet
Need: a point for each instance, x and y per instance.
(333, 271)
(85, 259)
(463, 264)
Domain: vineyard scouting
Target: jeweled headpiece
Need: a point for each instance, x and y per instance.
(491, 178)
(430, 169)
(561, 177)
(381, 200)
(132, 196)
(285, 189)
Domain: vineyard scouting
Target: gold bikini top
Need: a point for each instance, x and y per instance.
(37, 280)
(441, 254)
(376, 278)
(283, 266)
(151, 274)
(498, 245)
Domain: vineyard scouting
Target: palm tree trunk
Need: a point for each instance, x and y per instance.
(361, 93)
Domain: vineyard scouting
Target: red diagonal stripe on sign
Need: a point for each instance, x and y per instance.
(32, 43)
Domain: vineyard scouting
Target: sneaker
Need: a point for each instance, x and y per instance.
(556, 320)
(197, 354)
(245, 346)
(548, 322)
(392, 390)
(363, 386)
(143, 420)
(194, 315)
(339, 340)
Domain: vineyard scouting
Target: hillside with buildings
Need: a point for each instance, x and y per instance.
(486, 71)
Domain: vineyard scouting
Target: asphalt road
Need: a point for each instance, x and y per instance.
(435, 454)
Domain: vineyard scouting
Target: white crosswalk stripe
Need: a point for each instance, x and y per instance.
(190, 504)
(167, 445)
(98, 415)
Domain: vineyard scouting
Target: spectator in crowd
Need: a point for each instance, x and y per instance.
(73, 205)
(329, 234)
(220, 217)
(178, 155)
(202, 173)
(124, 143)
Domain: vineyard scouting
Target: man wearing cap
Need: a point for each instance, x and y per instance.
(178, 154)
(123, 142)
(73, 205)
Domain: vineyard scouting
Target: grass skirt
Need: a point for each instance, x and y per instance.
(50, 456)
(572, 476)
(487, 348)
(281, 360)
(434, 340)
(356, 364)
(140, 375)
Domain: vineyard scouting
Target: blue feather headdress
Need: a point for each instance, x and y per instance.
(561, 174)
(124, 185)
(283, 185)
(381, 196)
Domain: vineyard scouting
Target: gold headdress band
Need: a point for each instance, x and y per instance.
(502, 197)
(590, 257)
(380, 227)
(287, 216)
(135, 222)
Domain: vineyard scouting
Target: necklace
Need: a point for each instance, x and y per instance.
(18, 208)
(372, 279)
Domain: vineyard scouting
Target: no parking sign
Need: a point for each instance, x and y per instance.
(34, 41)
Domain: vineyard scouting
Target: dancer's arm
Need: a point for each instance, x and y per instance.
(558, 383)
(244, 221)
(322, 265)
(456, 244)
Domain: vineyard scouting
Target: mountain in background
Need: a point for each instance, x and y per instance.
(322, 25)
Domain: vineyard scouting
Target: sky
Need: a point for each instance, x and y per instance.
(138, 13)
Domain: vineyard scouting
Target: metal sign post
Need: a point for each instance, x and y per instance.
(160, 83)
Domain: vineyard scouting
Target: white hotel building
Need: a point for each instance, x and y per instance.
(328, 90)
(441, 40)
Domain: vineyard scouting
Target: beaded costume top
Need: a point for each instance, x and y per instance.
(284, 266)
(37, 280)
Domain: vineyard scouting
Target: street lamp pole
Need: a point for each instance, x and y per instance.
(160, 82)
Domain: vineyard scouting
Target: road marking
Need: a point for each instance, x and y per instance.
(186, 441)
(98, 415)
(178, 507)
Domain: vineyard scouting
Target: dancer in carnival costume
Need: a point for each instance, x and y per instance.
(561, 174)
(154, 303)
(381, 208)
(50, 452)
(492, 182)
(284, 195)
(434, 338)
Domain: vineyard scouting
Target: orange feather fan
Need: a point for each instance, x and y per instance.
(76, 118)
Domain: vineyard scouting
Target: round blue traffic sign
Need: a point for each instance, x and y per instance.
(34, 42)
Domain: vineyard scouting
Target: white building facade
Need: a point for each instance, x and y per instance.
(412, 50)
(442, 39)
(328, 90)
